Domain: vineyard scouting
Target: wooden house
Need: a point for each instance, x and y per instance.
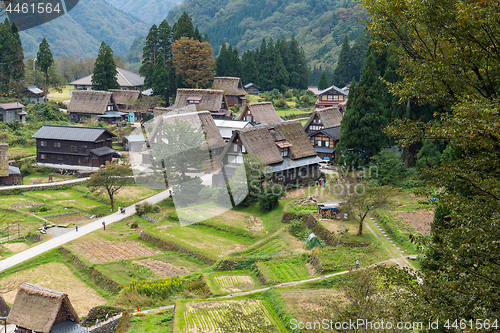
(126, 102)
(33, 94)
(323, 130)
(86, 104)
(41, 310)
(12, 112)
(9, 175)
(210, 100)
(126, 80)
(252, 88)
(332, 96)
(213, 142)
(284, 147)
(260, 113)
(74, 145)
(235, 94)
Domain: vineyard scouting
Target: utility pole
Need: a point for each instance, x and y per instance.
(34, 73)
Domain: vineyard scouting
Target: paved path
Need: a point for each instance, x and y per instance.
(72, 235)
(64, 182)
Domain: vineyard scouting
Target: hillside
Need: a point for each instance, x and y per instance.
(149, 11)
(81, 31)
(318, 25)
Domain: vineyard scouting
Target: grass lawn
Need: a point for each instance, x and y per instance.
(43, 177)
(283, 113)
(156, 323)
(21, 151)
(60, 96)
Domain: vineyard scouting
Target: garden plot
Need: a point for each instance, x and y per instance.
(272, 247)
(99, 251)
(284, 270)
(208, 317)
(420, 220)
(232, 282)
(162, 269)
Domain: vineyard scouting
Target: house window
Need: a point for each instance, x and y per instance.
(249, 118)
(57, 144)
(284, 151)
(317, 143)
(330, 97)
(110, 107)
(235, 148)
(85, 146)
(60, 157)
(43, 143)
(326, 143)
(243, 150)
(43, 156)
(336, 97)
(73, 149)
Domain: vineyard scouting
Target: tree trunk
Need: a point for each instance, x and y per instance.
(111, 194)
(361, 220)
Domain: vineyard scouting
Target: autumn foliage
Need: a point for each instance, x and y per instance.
(193, 62)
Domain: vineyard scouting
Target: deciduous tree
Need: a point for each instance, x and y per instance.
(111, 179)
(193, 62)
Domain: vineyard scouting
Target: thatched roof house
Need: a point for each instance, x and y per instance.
(323, 118)
(260, 113)
(233, 89)
(86, 104)
(204, 100)
(38, 309)
(284, 147)
(124, 97)
(4, 307)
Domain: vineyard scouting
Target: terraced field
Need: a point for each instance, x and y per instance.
(272, 247)
(99, 251)
(232, 282)
(162, 269)
(208, 317)
(283, 270)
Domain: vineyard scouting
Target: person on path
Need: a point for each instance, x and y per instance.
(119, 209)
(76, 226)
(357, 263)
(317, 182)
(320, 181)
(104, 225)
(324, 183)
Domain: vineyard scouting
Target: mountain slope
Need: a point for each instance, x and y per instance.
(318, 25)
(81, 31)
(149, 11)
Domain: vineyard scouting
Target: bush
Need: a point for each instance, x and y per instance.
(270, 196)
(134, 225)
(280, 104)
(145, 208)
(288, 94)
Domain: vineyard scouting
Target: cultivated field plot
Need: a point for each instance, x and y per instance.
(420, 220)
(232, 282)
(161, 268)
(272, 247)
(57, 276)
(208, 317)
(99, 251)
(284, 270)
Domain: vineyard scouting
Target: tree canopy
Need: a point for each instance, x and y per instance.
(193, 62)
(11, 59)
(104, 76)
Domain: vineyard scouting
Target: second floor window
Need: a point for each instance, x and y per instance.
(284, 152)
(73, 149)
(43, 143)
(57, 144)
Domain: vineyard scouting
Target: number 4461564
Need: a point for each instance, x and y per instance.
(33, 8)
(477, 324)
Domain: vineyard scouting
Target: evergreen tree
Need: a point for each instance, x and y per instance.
(251, 73)
(11, 59)
(221, 62)
(197, 35)
(104, 76)
(44, 59)
(299, 75)
(323, 82)
(149, 55)
(165, 41)
(184, 27)
(280, 75)
(342, 73)
(361, 133)
(358, 55)
(236, 67)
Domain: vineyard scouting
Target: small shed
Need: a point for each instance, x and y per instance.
(33, 94)
(38, 309)
(135, 143)
(329, 210)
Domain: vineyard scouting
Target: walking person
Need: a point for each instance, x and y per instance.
(104, 225)
(119, 209)
(76, 226)
(317, 182)
(357, 263)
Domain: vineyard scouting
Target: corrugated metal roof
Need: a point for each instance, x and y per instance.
(124, 77)
(102, 151)
(14, 170)
(68, 327)
(35, 90)
(11, 106)
(74, 133)
(324, 150)
(288, 163)
(136, 138)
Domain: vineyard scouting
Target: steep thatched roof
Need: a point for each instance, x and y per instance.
(329, 117)
(36, 308)
(209, 99)
(125, 96)
(4, 307)
(198, 119)
(4, 159)
(89, 101)
(264, 141)
(231, 85)
(262, 113)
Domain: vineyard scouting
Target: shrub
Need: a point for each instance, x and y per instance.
(134, 225)
(145, 208)
(288, 94)
(281, 104)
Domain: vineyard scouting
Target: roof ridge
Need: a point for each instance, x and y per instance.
(123, 76)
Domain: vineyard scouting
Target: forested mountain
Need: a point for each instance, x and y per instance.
(81, 31)
(319, 25)
(149, 11)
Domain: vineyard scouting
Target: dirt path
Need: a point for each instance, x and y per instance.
(43, 185)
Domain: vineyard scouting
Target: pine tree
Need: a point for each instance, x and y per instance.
(250, 74)
(104, 76)
(323, 82)
(280, 75)
(361, 133)
(165, 41)
(299, 76)
(149, 55)
(44, 59)
(11, 59)
(184, 27)
(221, 63)
(358, 54)
(342, 73)
(236, 68)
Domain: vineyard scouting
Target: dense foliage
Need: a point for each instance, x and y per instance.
(11, 59)
(104, 76)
